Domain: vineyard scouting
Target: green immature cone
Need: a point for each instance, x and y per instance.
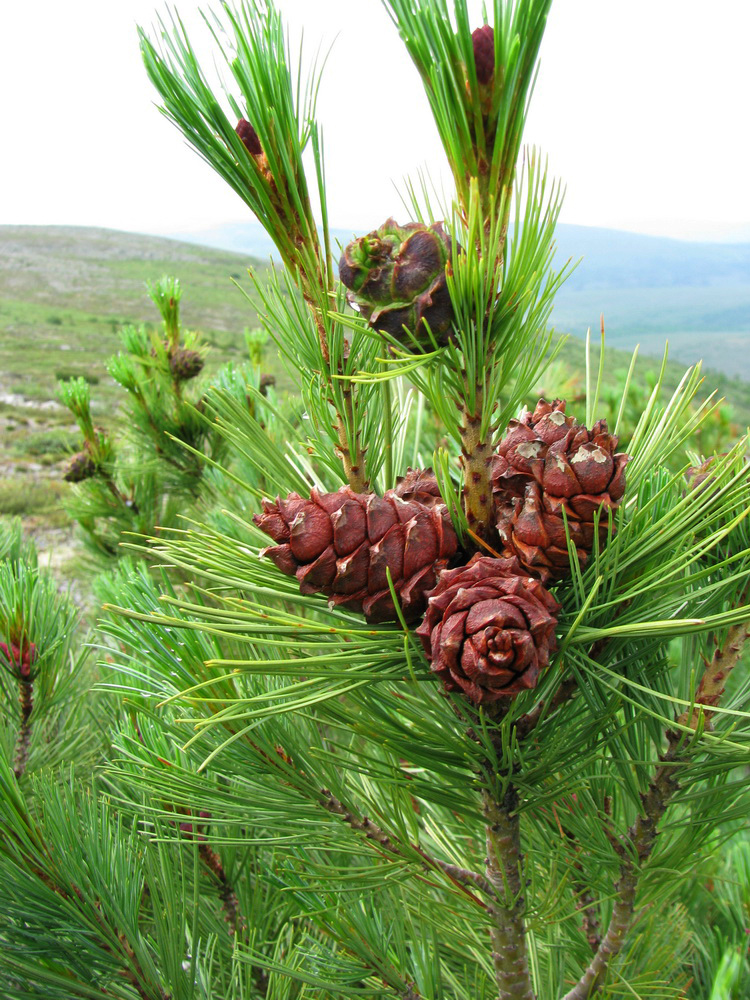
(396, 275)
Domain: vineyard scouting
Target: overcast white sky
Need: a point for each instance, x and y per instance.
(641, 106)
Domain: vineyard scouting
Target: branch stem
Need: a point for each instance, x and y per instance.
(505, 873)
(638, 845)
(477, 456)
(712, 683)
(353, 459)
(462, 877)
(388, 433)
(354, 462)
(229, 901)
(21, 758)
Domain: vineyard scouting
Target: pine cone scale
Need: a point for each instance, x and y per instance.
(319, 574)
(349, 524)
(310, 533)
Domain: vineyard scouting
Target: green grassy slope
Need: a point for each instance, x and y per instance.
(64, 294)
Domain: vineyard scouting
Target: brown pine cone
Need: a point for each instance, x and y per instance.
(489, 629)
(546, 464)
(185, 364)
(341, 544)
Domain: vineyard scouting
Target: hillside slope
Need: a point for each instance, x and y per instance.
(66, 291)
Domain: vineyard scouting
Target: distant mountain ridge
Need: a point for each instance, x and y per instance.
(612, 258)
(648, 288)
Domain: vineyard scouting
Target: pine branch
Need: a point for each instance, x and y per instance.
(21, 758)
(585, 901)
(476, 456)
(527, 723)
(712, 683)
(505, 872)
(462, 877)
(112, 941)
(640, 843)
(586, 905)
(229, 901)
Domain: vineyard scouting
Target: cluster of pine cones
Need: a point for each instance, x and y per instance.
(488, 624)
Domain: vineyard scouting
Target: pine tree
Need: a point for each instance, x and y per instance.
(145, 469)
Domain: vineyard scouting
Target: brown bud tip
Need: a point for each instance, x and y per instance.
(267, 381)
(80, 467)
(185, 364)
(19, 658)
(249, 137)
(483, 40)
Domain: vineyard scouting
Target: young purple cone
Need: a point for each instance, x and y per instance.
(80, 467)
(549, 470)
(185, 364)
(396, 275)
(342, 545)
(489, 629)
(19, 658)
(249, 137)
(483, 40)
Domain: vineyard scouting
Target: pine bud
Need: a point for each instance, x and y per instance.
(80, 467)
(185, 364)
(249, 137)
(483, 40)
(18, 659)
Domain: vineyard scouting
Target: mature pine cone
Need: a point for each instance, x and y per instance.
(185, 364)
(80, 467)
(341, 544)
(489, 629)
(546, 464)
(396, 275)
